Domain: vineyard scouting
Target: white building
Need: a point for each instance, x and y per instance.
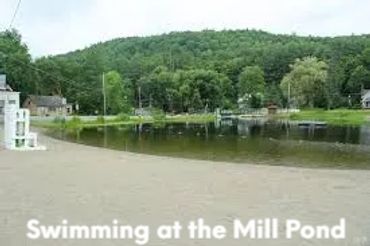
(7, 95)
(17, 135)
(365, 99)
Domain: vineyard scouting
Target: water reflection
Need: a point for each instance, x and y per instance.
(365, 135)
(256, 141)
(295, 131)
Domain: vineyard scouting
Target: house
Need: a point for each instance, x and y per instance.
(7, 95)
(47, 105)
(365, 99)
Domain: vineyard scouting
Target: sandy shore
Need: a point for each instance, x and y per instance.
(88, 185)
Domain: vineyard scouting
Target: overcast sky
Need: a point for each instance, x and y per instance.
(53, 27)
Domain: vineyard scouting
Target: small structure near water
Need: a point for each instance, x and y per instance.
(17, 135)
(312, 124)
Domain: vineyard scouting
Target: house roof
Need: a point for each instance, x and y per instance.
(6, 88)
(48, 101)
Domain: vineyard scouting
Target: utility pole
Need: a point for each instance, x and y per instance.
(289, 95)
(104, 96)
(140, 103)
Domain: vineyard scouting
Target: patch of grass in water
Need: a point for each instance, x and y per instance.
(333, 117)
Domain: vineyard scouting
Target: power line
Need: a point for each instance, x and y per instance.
(35, 68)
(15, 13)
(40, 70)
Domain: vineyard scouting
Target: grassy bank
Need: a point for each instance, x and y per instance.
(76, 122)
(334, 117)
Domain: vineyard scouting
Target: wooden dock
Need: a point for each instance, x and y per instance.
(312, 124)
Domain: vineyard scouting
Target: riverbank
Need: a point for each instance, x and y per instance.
(89, 185)
(333, 117)
(86, 122)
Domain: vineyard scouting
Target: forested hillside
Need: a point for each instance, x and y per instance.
(192, 71)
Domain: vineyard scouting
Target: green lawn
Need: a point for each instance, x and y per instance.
(334, 117)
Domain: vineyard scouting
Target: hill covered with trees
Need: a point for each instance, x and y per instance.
(193, 71)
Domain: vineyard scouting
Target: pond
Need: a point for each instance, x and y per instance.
(241, 141)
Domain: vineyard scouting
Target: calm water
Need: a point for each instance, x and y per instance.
(253, 141)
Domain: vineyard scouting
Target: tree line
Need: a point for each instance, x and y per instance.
(197, 71)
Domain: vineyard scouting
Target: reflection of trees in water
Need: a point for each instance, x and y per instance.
(251, 126)
(293, 131)
(365, 135)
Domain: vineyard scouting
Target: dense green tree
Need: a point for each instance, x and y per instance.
(306, 81)
(251, 87)
(117, 93)
(251, 81)
(193, 71)
(365, 58)
(203, 89)
(15, 62)
(360, 78)
(157, 89)
(273, 95)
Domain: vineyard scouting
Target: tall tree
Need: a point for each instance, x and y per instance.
(360, 78)
(251, 81)
(15, 62)
(118, 93)
(184, 71)
(306, 81)
(251, 87)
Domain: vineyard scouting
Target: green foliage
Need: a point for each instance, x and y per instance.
(190, 71)
(158, 114)
(273, 95)
(158, 89)
(365, 58)
(360, 77)
(306, 81)
(251, 81)
(100, 119)
(335, 117)
(73, 123)
(59, 120)
(251, 87)
(15, 62)
(118, 93)
(122, 117)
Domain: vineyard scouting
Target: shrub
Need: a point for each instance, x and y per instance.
(123, 117)
(59, 120)
(158, 114)
(75, 122)
(100, 119)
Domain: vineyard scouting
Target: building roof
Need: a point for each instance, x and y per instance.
(48, 101)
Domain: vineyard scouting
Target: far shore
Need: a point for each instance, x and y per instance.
(112, 120)
(338, 117)
(89, 185)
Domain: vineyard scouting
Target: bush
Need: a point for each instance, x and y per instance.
(123, 117)
(158, 114)
(100, 119)
(59, 120)
(75, 122)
